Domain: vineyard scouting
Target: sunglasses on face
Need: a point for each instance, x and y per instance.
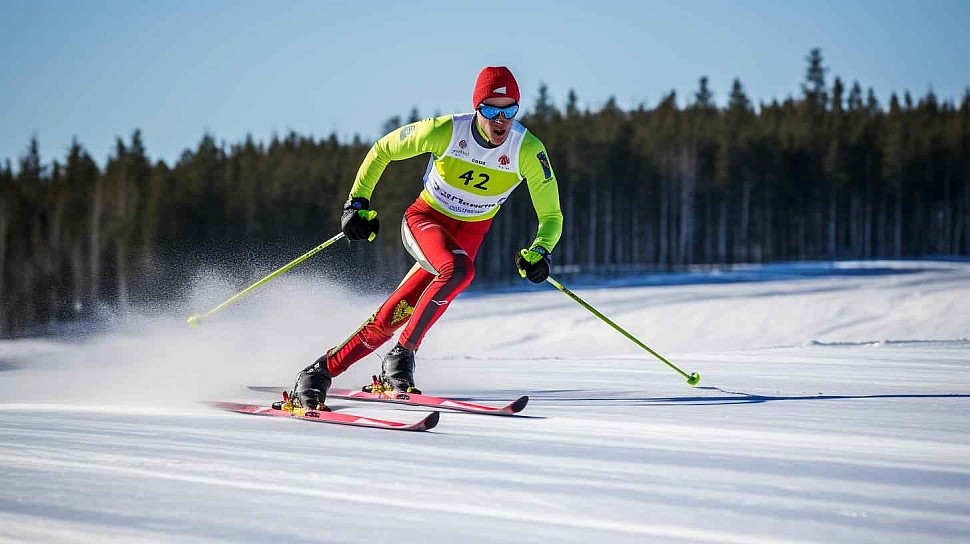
(491, 112)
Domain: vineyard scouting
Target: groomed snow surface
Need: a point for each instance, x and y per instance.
(833, 407)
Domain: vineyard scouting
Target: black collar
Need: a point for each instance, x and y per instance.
(477, 134)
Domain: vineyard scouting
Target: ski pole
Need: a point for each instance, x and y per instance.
(693, 378)
(196, 319)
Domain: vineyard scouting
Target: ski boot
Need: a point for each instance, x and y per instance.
(397, 373)
(312, 384)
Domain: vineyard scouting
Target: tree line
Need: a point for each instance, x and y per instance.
(827, 174)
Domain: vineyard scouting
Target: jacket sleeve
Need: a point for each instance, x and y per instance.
(426, 136)
(537, 170)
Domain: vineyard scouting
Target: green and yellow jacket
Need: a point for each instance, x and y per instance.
(467, 178)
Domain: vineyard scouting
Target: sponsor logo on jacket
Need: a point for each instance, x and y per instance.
(544, 161)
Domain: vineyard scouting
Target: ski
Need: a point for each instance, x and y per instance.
(337, 418)
(414, 399)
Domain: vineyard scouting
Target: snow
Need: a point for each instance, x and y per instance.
(833, 407)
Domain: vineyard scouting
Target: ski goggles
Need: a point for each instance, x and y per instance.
(491, 112)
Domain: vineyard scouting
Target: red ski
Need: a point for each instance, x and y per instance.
(337, 418)
(414, 399)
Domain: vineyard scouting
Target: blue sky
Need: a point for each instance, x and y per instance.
(176, 70)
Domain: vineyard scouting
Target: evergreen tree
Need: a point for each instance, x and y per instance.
(572, 110)
(6, 211)
(545, 111)
(814, 88)
(81, 176)
(733, 172)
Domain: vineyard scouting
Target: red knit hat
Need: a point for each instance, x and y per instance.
(495, 82)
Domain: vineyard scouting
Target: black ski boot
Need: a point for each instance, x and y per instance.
(397, 370)
(312, 384)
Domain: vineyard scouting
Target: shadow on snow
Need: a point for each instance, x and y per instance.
(728, 397)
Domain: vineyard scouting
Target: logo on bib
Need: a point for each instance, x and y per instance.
(460, 152)
(504, 160)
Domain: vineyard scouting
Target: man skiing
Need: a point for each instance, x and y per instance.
(477, 160)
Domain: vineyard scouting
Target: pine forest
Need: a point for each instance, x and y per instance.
(828, 173)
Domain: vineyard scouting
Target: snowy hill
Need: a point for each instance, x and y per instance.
(833, 407)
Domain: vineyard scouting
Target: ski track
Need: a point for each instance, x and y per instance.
(844, 420)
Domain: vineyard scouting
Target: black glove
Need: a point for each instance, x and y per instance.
(533, 264)
(358, 221)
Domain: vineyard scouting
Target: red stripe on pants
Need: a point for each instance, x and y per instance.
(450, 246)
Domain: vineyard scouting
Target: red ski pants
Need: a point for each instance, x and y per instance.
(446, 245)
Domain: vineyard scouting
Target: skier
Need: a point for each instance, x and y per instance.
(478, 158)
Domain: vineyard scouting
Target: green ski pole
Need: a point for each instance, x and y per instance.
(196, 320)
(693, 378)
